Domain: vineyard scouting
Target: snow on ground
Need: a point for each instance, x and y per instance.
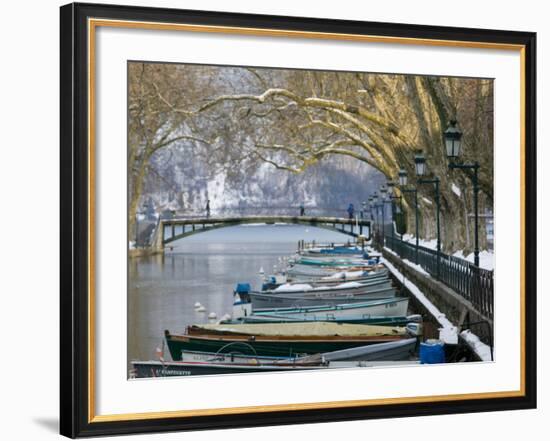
(456, 190)
(409, 263)
(447, 332)
(480, 348)
(486, 258)
(416, 267)
(432, 244)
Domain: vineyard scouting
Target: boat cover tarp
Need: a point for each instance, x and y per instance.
(242, 288)
(303, 329)
(287, 287)
(347, 275)
(305, 287)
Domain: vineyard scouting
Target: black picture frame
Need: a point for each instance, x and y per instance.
(74, 274)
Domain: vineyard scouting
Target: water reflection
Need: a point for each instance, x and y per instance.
(163, 289)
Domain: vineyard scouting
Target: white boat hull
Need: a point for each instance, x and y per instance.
(395, 307)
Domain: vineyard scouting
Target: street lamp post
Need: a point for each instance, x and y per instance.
(396, 209)
(403, 178)
(389, 201)
(453, 144)
(376, 206)
(383, 201)
(375, 200)
(371, 217)
(420, 165)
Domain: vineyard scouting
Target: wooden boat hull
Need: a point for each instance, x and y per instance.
(357, 320)
(332, 261)
(371, 275)
(263, 301)
(339, 251)
(336, 251)
(393, 307)
(270, 346)
(391, 351)
(328, 281)
(234, 356)
(355, 254)
(361, 288)
(155, 369)
(151, 369)
(314, 271)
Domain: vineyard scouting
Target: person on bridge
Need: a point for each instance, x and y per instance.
(302, 210)
(351, 210)
(208, 208)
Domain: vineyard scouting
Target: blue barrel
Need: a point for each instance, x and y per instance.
(242, 288)
(431, 352)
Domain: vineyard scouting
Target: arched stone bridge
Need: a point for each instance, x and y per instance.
(170, 230)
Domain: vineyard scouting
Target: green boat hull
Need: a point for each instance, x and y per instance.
(282, 348)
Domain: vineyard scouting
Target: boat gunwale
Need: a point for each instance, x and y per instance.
(325, 308)
(337, 296)
(287, 338)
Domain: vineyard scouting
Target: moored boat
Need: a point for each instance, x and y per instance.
(323, 271)
(354, 275)
(353, 319)
(240, 353)
(302, 339)
(151, 368)
(314, 298)
(274, 281)
(340, 251)
(334, 250)
(353, 287)
(334, 261)
(314, 330)
(396, 306)
(390, 351)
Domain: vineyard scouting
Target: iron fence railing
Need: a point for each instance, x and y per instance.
(471, 282)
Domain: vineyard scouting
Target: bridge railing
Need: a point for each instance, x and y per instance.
(261, 211)
(473, 283)
(147, 229)
(174, 228)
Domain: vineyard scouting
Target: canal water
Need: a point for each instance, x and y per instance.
(205, 267)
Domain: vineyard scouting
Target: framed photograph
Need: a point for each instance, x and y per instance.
(278, 220)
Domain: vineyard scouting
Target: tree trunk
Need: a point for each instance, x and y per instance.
(135, 196)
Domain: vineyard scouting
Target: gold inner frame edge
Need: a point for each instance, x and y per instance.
(92, 25)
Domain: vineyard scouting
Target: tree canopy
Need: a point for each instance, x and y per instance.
(293, 119)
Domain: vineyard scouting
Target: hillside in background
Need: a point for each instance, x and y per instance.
(183, 181)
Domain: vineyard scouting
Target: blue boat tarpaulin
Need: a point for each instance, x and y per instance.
(243, 288)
